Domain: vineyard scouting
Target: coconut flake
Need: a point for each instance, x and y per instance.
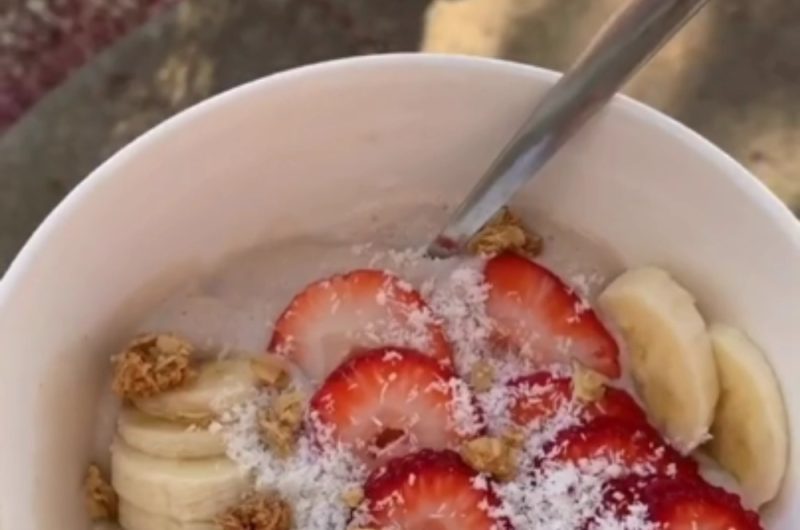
(312, 480)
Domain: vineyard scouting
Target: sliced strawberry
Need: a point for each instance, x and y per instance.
(678, 504)
(333, 318)
(696, 506)
(620, 493)
(538, 397)
(430, 490)
(637, 448)
(392, 401)
(539, 316)
(616, 403)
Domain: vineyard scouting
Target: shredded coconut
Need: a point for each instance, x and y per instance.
(560, 498)
(312, 480)
(465, 414)
(360, 249)
(406, 327)
(585, 283)
(564, 496)
(460, 301)
(635, 519)
(397, 260)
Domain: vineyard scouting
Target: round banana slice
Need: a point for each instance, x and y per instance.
(132, 517)
(750, 436)
(671, 361)
(218, 385)
(168, 439)
(183, 490)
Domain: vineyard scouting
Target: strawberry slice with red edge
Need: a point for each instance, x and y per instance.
(333, 318)
(677, 504)
(687, 506)
(541, 318)
(431, 490)
(620, 493)
(636, 447)
(392, 401)
(539, 397)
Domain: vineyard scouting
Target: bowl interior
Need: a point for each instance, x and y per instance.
(351, 148)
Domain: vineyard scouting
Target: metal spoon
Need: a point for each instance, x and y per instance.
(629, 39)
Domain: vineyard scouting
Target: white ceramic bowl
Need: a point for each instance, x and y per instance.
(374, 139)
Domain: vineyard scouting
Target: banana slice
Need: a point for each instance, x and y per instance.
(183, 490)
(168, 439)
(219, 385)
(132, 517)
(671, 360)
(750, 433)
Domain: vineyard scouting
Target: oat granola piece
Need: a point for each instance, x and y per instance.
(495, 456)
(352, 497)
(481, 376)
(280, 423)
(258, 512)
(515, 437)
(272, 370)
(587, 384)
(505, 232)
(101, 499)
(150, 365)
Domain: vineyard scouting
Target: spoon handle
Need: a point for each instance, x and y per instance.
(629, 39)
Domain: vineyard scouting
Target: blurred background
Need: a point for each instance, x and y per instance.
(81, 78)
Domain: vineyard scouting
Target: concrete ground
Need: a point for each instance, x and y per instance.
(733, 75)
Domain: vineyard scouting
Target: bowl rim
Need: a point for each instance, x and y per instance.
(104, 175)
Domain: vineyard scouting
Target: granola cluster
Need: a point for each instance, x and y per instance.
(505, 232)
(150, 365)
(494, 456)
(280, 422)
(101, 500)
(481, 376)
(272, 371)
(587, 384)
(258, 512)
